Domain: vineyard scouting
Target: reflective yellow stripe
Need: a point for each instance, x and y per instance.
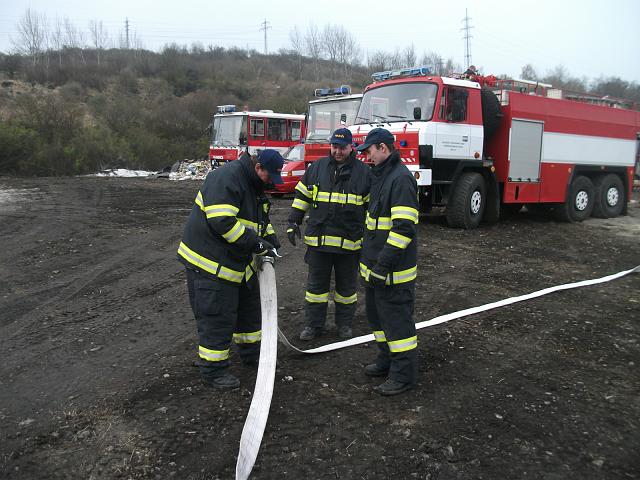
(269, 230)
(249, 271)
(248, 223)
(197, 260)
(379, 336)
(366, 198)
(221, 210)
(332, 241)
(209, 265)
(316, 297)
(300, 204)
(345, 300)
(374, 274)
(381, 223)
(341, 198)
(250, 337)
(302, 188)
(398, 240)
(394, 278)
(199, 201)
(406, 213)
(403, 345)
(234, 233)
(212, 355)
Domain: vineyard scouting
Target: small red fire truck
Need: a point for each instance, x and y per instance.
(476, 149)
(234, 132)
(332, 108)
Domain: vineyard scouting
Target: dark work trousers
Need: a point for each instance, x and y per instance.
(222, 312)
(321, 264)
(390, 310)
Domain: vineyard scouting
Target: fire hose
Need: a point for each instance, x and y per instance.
(259, 410)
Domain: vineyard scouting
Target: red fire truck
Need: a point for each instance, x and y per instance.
(332, 108)
(234, 132)
(476, 149)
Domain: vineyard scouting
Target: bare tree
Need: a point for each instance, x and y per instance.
(378, 61)
(433, 60)
(528, 72)
(313, 46)
(297, 44)
(74, 38)
(56, 39)
(409, 56)
(348, 49)
(99, 37)
(32, 35)
(331, 42)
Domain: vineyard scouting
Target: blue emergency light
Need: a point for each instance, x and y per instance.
(226, 108)
(325, 92)
(403, 72)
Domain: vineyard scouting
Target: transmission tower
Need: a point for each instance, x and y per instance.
(126, 28)
(265, 26)
(467, 36)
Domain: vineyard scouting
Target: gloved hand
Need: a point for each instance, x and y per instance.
(293, 231)
(262, 247)
(378, 275)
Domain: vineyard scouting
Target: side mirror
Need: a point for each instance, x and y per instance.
(417, 113)
(343, 119)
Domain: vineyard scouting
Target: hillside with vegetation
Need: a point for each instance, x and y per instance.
(72, 106)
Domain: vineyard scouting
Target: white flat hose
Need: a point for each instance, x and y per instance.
(462, 313)
(261, 402)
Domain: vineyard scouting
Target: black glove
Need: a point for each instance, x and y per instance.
(293, 231)
(262, 247)
(378, 275)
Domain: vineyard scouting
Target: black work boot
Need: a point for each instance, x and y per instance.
(345, 332)
(224, 381)
(309, 333)
(375, 370)
(392, 387)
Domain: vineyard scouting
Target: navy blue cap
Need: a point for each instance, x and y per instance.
(376, 137)
(272, 161)
(341, 136)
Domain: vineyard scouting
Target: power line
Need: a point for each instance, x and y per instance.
(265, 27)
(467, 36)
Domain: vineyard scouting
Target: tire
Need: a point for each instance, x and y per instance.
(609, 196)
(468, 201)
(580, 201)
(490, 112)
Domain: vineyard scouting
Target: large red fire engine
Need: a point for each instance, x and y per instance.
(475, 149)
(332, 108)
(234, 132)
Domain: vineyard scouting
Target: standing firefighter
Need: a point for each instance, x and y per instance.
(334, 192)
(229, 223)
(389, 264)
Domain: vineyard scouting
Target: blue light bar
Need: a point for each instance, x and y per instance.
(226, 108)
(325, 92)
(403, 72)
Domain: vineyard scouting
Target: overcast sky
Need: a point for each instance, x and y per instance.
(590, 38)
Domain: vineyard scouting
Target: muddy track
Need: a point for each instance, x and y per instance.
(97, 343)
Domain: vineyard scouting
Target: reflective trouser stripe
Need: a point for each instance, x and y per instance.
(398, 240)
(346, 300)
(316, 297)
(251, 337)
(397, 346)
(212, 355)
(333, 241)
(300, 204)
(393, 278)
(379, 336)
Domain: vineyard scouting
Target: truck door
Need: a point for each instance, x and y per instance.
(525, 151)
(453, 130)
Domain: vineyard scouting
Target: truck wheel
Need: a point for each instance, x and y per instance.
(579, 202)
(609, 197)
(466, 206)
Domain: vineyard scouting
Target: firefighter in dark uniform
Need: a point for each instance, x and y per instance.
(228, 225)
(389, 264)
(334, 191)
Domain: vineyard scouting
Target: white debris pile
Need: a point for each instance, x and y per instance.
(122, 172)
(191, 170)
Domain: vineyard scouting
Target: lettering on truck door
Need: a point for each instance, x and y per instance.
(453, 130)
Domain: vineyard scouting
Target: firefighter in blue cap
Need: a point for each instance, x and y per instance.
(228, 230)
(334, 192)
(388, 264)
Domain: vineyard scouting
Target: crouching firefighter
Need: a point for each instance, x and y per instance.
(389, 264)
(228, 225)
(334, 191)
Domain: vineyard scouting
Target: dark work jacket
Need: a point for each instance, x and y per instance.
(229, 213)
(335, 195)
(392, 216)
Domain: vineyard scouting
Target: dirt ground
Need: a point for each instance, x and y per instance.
(97, 343)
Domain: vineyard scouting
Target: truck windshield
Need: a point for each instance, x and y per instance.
(229, 131)
(396, 103)
(324, 118)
